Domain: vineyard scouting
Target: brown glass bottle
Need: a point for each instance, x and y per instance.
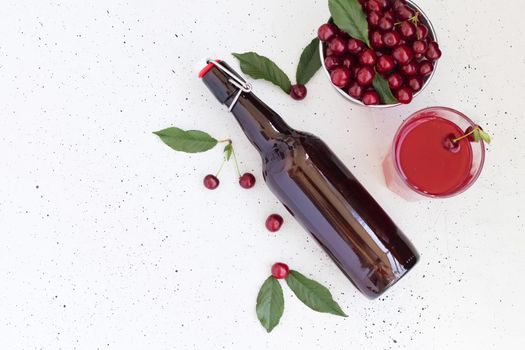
(319, 191)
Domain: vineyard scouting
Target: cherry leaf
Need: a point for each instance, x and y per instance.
(313, 294)
(383, 89)
(228, 150)
(191, 141)
(484, 136)
(270, 303)
(260, 67)
(349, 16)
(476, 135)
(309, 63)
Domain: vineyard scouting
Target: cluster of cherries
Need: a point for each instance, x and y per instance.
(401, 51)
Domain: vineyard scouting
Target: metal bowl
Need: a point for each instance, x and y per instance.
(432, 34)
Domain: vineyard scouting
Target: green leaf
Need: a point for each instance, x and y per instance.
(228, 150)
(191, 141)
(349, 16)
(260, 67)
(313, 294)
(270, 303)
(383, 89)
(309, 63)
(484, 136)
(476, 135)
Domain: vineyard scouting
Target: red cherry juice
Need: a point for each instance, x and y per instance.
(426, 163)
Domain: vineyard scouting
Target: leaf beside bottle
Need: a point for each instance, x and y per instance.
(309, 63)
(349, 16)
(190, 141)
(313, 294)
(270, 303)
(260, 67)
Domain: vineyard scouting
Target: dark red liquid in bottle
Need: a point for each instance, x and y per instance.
(320, 192)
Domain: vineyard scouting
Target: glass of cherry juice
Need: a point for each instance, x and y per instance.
(426, 158)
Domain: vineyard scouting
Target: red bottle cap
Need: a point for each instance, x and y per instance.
(206, 69)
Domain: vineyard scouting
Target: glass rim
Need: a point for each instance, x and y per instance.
(403, 177)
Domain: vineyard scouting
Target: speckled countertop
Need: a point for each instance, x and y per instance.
(108, 239)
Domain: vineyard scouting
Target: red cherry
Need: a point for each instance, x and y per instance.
(386, 23)
(385, 64)
(398, 3)
(337, 45)
(355, 46)
(247, 180)
(395, 81)
(383, 4)
(376, 39)
(402, 54)
(274, 222)
(421, 31)
(298, 92)
(328, 52)
(340, 77)
(449, 144)
(280, 270)
(409, 69)
(211, 182)
(391, 38)
(365, 76)
(415, 83)
(332, 62)
(371, 98)
(373, 19)
(355, 90)
(407, 30)
(404, 95)
(433, 52)
(389, 14)
(403, 13)
(419, 47)
(368, 57)
(425, 68)
(349, 61)
(326, 31)
(373, 5)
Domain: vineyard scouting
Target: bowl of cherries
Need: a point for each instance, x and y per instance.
(402, 50)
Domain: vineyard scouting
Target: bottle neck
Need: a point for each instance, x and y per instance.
(259, 122)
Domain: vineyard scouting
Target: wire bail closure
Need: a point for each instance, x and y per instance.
(239, 83)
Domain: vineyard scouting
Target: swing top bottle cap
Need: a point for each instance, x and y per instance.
(207, 68)
(225, 83)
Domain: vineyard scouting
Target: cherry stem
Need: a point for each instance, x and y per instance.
(220, 168)
(466, 135)
(236, 163)
(225, 141)
(413, 19)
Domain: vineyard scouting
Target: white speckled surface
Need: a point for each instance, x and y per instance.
(109, 241)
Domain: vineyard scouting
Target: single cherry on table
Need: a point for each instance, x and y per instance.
(274, 222)
(298, 92)
(247, 180)
(280, 270)
(211, 182)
